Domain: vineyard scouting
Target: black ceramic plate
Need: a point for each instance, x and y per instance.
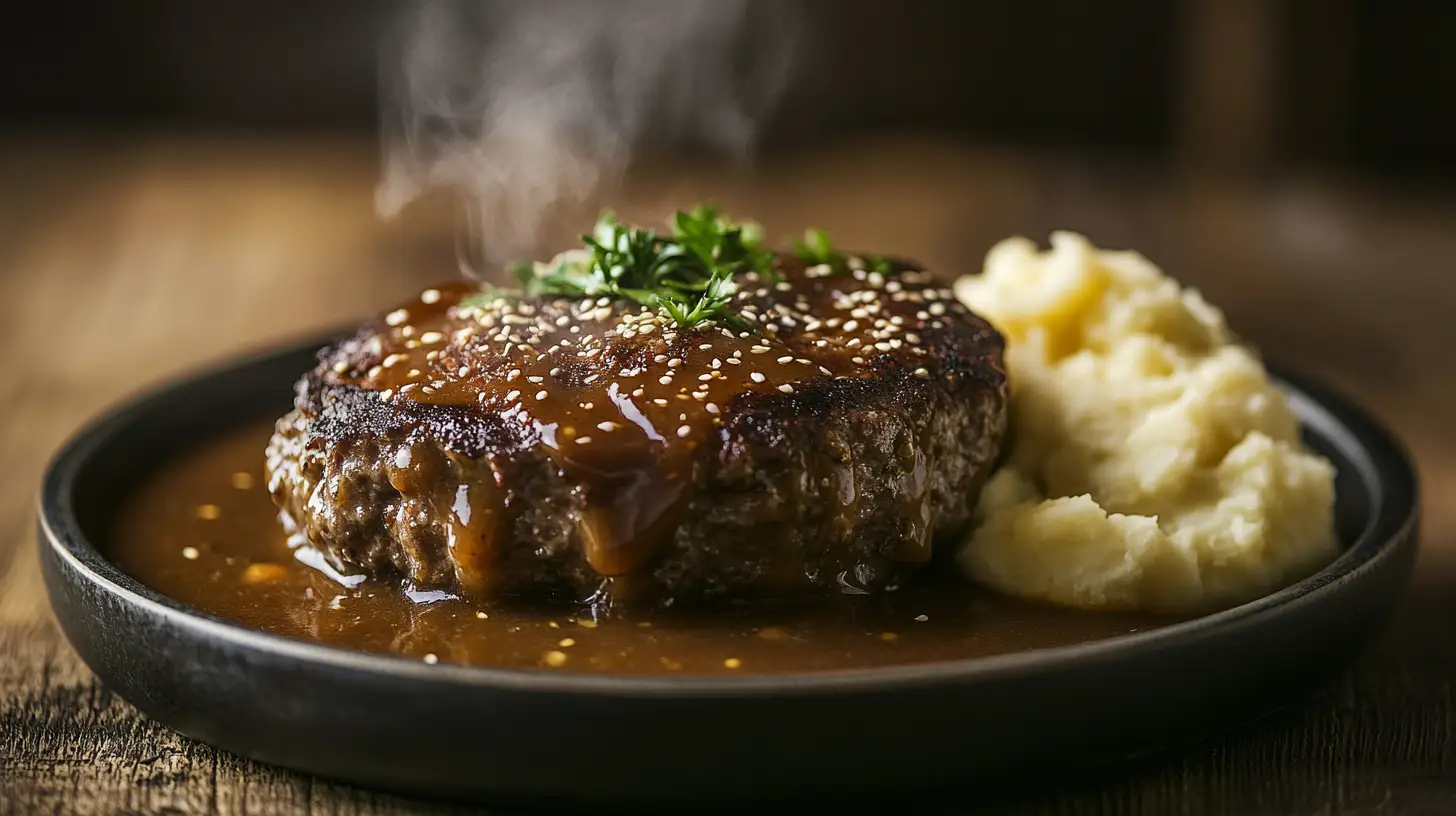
(470, 732)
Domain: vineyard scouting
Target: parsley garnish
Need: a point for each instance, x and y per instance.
(816, 249)
(687, 274)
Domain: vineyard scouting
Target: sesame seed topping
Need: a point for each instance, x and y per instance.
(190, 553)
(430, 296)
(786, 388)
(756, 377)
(431, 658)
(396, 317)
(684, 431)
(540, 395)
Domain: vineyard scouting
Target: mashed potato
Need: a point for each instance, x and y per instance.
(1153, 466)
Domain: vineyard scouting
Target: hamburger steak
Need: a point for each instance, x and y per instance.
(502, 445)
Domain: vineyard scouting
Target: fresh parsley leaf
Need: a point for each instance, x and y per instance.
(816, 249)
(688, 274)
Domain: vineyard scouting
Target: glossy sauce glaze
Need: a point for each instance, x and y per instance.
(622, 397)
(203, 530)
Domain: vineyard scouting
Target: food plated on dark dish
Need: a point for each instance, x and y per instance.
(727, 497)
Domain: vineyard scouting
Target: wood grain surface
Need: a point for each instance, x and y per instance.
(125, 262)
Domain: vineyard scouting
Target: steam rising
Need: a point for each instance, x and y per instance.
(531, 110)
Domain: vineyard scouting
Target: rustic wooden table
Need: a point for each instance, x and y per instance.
(122, 263)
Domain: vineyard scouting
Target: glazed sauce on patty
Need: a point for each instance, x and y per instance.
(202, 529)
(622, 396)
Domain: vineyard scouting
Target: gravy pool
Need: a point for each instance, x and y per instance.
(203, 530)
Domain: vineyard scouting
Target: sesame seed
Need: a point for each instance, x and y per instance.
(659, 401)
(536, 380)
(430, 296)
(787, 358)
(756, 377)
(920, 372)
(705, 377)
(665, 380)
(431, 337)
(608, 426)
(567, 643)
(396, 317)
(684, 431)
(732, 663)
(674, 363)
(540, 395)
(554, 658)
(587, 406)
(922, 618)
(209, 512)
(786, 388)
(851, 325)
(190, 553)
(583, 440)
(431, 659)
(481, 615)
(511, 396)
(711, 408)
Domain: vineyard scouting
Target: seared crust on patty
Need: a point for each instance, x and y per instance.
(595, 448)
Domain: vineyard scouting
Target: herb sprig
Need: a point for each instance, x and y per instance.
(687, 274)
(816, 249)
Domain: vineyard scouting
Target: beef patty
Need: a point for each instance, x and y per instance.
(499, 446)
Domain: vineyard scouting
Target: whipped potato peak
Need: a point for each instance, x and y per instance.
(1153, 465)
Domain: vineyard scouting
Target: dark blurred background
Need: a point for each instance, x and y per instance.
(1360, 86)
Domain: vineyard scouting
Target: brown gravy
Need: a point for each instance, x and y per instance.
(203, 530)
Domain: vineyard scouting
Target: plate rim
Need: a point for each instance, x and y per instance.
(1392, 524)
